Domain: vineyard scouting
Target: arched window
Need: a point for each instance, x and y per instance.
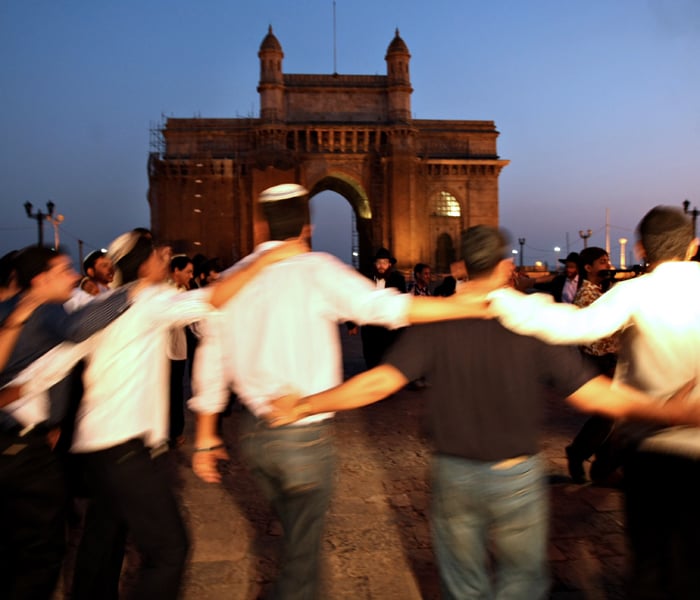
(446, 205)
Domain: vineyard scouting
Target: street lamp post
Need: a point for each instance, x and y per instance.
(557, 250)
(39, 216)
(55, 221)
(585, 234)
(623, 261)
(521, 241)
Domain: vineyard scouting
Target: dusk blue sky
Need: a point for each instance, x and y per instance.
(597, 102)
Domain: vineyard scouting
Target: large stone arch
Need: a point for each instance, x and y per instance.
(352, 134)
(356, 196)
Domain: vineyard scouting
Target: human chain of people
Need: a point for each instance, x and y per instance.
(98, 369)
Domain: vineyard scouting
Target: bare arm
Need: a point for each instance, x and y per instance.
(13, 324)
(365, 388)
(623, 401)
(458, 306)
(208, 448)
(226, 288)
(9, 333)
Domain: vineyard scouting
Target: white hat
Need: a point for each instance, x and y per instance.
(284, 191)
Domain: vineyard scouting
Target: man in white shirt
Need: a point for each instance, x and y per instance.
(279, 334)
(32, 489)
(122, 422)
(660, 351)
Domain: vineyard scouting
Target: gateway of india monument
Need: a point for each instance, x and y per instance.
(413, 184)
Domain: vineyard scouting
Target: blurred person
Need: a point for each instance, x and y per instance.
(488, 483)
(207, 272)
(452, 282)
(99, 268)
(8, 279)
(421, 280)
(265, 343)
(659, 351)
(181, 272)
(375, 339)
(121, 426)
(32, 486)
(594, 436)
(563, 286)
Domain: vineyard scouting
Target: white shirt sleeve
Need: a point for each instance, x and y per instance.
(560, 323)
(182, 308)
(52, 367)
(210, 389)
(355, 298)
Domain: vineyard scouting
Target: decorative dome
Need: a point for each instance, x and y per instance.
(397, 45)
(271, 42)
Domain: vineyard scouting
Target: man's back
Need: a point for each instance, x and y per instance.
(486, 384)
(281, 332)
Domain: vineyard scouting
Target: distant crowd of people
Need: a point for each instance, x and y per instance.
(96, 371)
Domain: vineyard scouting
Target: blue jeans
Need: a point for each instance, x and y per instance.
(294, 466)
(477, 508)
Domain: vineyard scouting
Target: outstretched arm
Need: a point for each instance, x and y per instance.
(560, 323)
(365, 388)
(622, 401)
(424, 309)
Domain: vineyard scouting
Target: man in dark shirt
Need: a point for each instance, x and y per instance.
(486, 407)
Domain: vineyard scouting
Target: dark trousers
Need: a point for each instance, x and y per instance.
(130, 494)
(595, 435)
(663, 523)
(177, 399)
(294, 467)
(591, 437)
(375, 343)
(32, 517)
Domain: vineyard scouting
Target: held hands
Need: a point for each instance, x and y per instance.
(205, 459)
(682, 407)
(285, 410)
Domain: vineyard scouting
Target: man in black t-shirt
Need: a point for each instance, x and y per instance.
(486, 401)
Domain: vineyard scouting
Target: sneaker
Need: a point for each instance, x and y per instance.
(576, 471)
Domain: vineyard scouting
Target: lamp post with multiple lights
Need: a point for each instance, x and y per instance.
(40, 216)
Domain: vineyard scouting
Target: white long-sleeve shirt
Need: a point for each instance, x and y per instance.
(126, 379)
(661, 336)
(280, 333)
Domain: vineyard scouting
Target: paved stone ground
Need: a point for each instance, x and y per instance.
(377, 544)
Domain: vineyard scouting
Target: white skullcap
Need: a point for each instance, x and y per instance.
(283, 191)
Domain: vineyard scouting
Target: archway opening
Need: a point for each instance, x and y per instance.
(334, 228)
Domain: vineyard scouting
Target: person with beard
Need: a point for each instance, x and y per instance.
(376, 340)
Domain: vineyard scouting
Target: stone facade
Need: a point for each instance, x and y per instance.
(413, 184)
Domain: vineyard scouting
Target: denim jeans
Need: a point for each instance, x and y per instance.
(294, 466)
(478, 508)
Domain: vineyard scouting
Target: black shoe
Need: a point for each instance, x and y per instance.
(578, 475)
